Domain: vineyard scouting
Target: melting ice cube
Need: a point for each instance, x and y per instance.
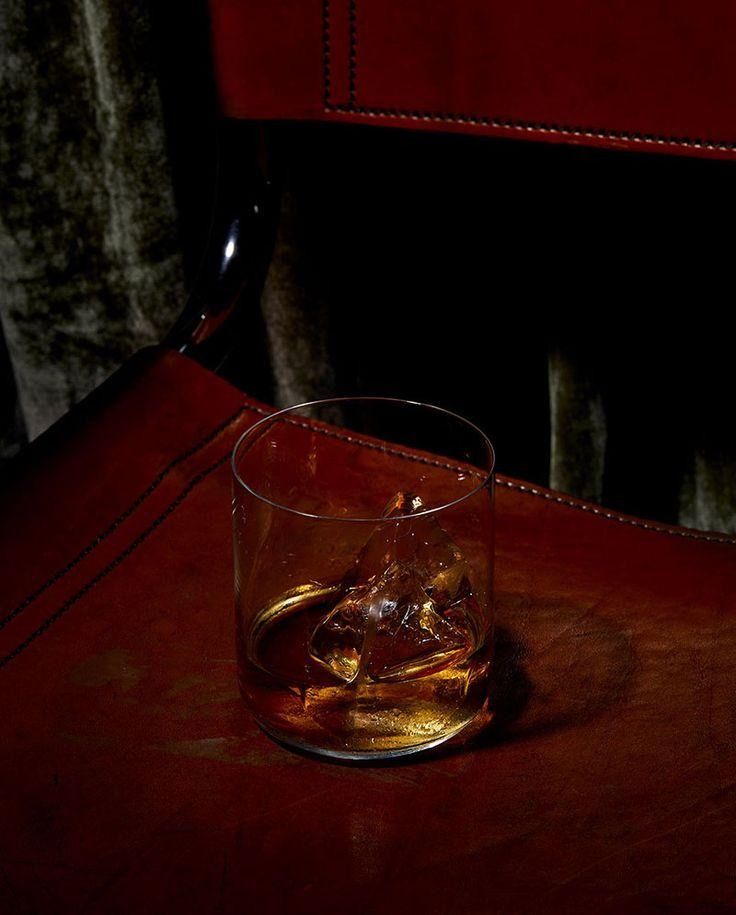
(409, 609)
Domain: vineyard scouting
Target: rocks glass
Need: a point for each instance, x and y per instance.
(363, 535)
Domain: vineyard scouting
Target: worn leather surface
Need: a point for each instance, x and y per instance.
(133, 780)
(627, 74)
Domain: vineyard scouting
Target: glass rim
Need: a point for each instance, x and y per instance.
(487, 475)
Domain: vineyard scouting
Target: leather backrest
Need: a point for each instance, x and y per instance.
(630, 74)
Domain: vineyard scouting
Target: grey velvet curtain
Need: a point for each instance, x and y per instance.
(565, 300)
(91, 267)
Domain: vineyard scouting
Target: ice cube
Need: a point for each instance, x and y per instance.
(389, 630)
(419, 542)
(390, 540)
(411, 638)
(338, 640)
(409, 608)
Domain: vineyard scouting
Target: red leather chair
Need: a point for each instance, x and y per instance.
(133, 778)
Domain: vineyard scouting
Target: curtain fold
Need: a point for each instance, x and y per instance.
(577, 428)
(296, 314)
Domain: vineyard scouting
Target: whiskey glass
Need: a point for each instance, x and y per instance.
(363, 541)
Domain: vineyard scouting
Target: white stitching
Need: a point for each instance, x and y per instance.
(528, 127)
(612, 516)
(585, 133)
(601, 513)
(385, 449)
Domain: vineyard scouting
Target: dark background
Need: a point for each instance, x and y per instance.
(574, 303)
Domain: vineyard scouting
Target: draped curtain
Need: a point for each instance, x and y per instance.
(91, 266)
(572, 302)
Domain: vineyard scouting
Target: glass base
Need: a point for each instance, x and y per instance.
(464, 732)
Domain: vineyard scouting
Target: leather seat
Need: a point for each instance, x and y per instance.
(133, 778)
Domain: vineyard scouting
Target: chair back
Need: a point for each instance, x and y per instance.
(627, 74)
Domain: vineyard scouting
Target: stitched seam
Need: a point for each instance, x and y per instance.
(352, 51)
(588, 133)
(375, 446)
(139, 500)
(613, 516)
(479, 120)
(529, 490)
(326, 64)
(120, 558)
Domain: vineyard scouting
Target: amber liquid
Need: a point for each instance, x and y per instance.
(296, 700)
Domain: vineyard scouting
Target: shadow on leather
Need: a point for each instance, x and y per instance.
(556, 666)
